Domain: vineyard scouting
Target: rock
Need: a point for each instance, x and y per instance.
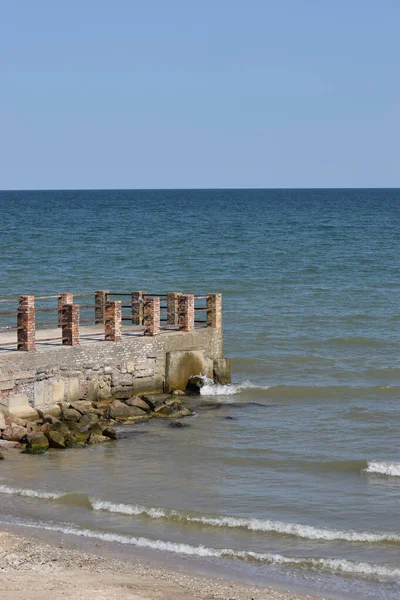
(2, 421)
(56, 439)
(118, 410)
(80, 436)
(54, 410)
(222, 370)
(194, 385)
(82, 406)
(178, 393)
(16, 421)
(70, 414)
(97, 439)
(50, 419)
(110, 433)
(182, 412)
(61, 427)
(23, 412)
(178, 424)
(139, 403)
(73, 442)
(1, 456)
(155, 400)
(37, 443)
(229, 418)
(8, 444)
(14, 433)
(163, 412)
(88, 419)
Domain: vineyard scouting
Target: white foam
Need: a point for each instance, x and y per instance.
(271, 526)
(332, 564)
(215, 389)
(5, 489)
(383, 468)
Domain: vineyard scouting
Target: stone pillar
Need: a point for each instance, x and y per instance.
(137, 307)
(214, 310)
(173, 308)
(151, 310)
(26, 324)
(186, 312)
(63, 299)
(100, 299)
(70, 325)
(112, 321)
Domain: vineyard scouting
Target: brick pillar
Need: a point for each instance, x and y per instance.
(173, 308)
(70, 325)
(137, 307)
(112, 321)
(151, 310)
(100, 299)
(186, 312)
(63, 299)
(26, 324)
(214, 310)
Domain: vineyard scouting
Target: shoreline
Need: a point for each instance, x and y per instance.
(31, 568)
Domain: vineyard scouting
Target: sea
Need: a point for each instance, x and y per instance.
(289, 474)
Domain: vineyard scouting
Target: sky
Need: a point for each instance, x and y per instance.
(199, 94)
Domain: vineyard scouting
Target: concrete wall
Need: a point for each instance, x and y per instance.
(103, 369)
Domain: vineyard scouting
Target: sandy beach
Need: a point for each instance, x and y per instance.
(31, 569)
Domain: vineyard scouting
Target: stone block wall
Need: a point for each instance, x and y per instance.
(102, 370)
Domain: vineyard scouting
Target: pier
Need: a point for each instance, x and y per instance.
(105, 345)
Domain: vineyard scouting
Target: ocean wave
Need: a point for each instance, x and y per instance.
(383, 468)
(331, 564)
(251, 524)
(5, 489)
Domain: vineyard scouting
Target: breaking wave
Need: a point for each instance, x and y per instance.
(383, 468)
(216, 389)
(330, 564)
(5, 489)
(251, 524)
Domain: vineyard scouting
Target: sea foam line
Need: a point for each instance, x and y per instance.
(251, 524)
(383, 468)
(5, 489)
(332, 564)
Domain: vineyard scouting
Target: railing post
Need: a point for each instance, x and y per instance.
(137, 307)
(214, 310)
(112, 321)
(70, 325)
(63, 299)
(100, 299)
(186, 312)
(26, 324)
(173, 308)
(151, 310)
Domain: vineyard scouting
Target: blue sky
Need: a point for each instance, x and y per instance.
(186, 94)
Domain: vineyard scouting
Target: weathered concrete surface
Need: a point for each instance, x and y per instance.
(182, 364)
(98, 370)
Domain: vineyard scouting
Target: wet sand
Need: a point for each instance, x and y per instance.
(31, 569)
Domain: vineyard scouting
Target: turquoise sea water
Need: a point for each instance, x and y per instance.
(303, 481)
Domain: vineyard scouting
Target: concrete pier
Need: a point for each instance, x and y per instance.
(40, 367)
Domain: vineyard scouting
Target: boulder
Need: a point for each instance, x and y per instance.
(163, 412)
(37, 443)
(50, 419)
(110, 433)
(178, 393)
(7, 444)
(97, 439)
(178, 424)
(55, 411)
(88, 419)
(14, 433)
(139, 403)
(155, 400)
(16, 421)
(56, 439)
(82, 406)
(73, 442)
(70, 414)
(2, 421)
(118, 410)
(194, 385)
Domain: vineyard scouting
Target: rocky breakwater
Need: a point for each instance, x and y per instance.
(84, 423)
